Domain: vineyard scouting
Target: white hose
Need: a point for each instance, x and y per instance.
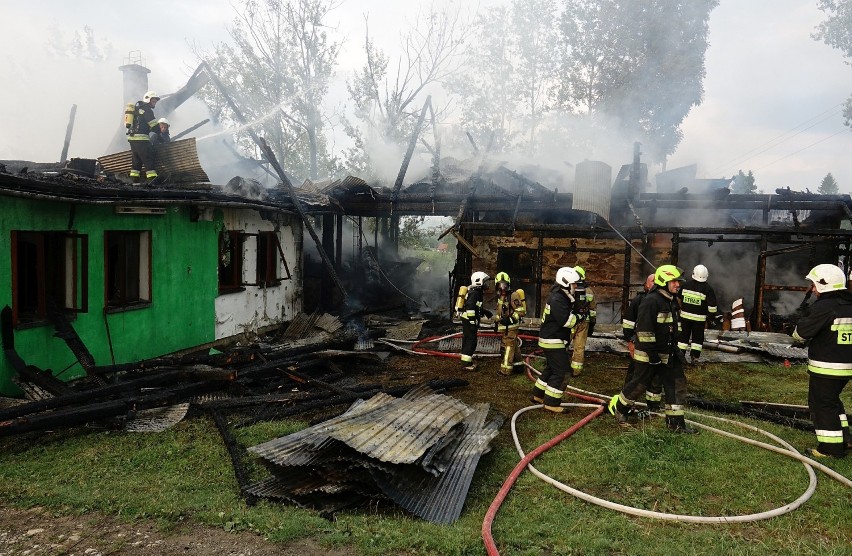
(678, 517)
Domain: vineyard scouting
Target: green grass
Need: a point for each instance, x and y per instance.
(185, 474)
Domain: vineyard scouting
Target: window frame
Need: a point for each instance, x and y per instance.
(235, 282)
(273, 257)
(68, 276)
(144, 271)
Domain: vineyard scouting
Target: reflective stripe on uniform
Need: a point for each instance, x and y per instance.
(547, 343)
(139, 137)
(830, 369)
(696, 347)
(693, 316)
(646, 337)
(663, 318)
(628, 324)
(829, 437)
(641, 356)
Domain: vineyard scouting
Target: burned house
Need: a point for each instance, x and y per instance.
(758, 246)
(140, 272)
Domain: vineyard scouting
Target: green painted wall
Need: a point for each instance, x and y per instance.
(182, 313)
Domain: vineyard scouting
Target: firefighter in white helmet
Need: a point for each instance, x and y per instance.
(697, 309)
(827, 327)
(469, 309)
(161, 135)
(558, 319)
(656, 352)
(143, 123)
(511, 306)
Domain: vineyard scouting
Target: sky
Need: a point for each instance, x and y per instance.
(772, 100)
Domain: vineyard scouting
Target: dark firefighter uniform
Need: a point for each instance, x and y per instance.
(586, 298)
(510, 309)
(470, 315)
(144, 123)
(557, 320)
(698, 302)
(654, 393)
(828, 326)
(656, 333)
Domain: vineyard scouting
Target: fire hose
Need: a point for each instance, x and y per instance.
(786, 450)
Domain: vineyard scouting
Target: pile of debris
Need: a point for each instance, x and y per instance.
(420, 450)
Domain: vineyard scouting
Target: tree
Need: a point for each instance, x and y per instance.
(277, 71)
(743, 183)
(828, 185)
(387, 103)
(534, 25)
(640, 64)
(489, 102)
(836, 31)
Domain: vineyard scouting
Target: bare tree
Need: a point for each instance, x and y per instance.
(387, 94)
(278, 69)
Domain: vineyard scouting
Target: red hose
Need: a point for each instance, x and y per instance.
(490, 546)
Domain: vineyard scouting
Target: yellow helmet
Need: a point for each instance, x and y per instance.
(666, 273)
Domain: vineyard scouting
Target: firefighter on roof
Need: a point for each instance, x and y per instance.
(559, 317)
(698, 305)
(141, 123)
(511, 306)
(656, 352)
(469, 309)
(827, 326)
(585, 302)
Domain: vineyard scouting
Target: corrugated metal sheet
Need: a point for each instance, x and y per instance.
(177, 162)
(157, 419)
(420, 450)
(592, 187)
(486, 344)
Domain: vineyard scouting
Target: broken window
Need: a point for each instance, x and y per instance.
(230, 261)
(267, 259)
(49, 270)
(127, 269)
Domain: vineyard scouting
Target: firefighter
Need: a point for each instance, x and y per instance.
(162, 136)
(586, 302)
(469, 309)
(698, 305)
(143, 123)
(827, 327)
(511, 306)
(559, 317)
(656, 352)
(654, 394)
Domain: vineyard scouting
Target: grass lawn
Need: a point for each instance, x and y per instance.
(185, 474)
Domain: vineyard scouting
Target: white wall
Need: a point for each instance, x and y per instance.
(256, 307)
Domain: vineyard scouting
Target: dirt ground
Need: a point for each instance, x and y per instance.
(37, 532)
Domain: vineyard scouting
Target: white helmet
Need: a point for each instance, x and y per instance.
(700, 273)
(478, 279)
(566, 276)
(163, 121)
(827, 278)
(150, 95)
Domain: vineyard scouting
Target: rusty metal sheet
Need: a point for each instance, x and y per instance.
(177, 162)
(421, 451)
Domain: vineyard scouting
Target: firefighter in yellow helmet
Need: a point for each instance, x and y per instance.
(656, 353)
(511, 306)
(585, 301)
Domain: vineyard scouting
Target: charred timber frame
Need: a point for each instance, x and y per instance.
(762, 235)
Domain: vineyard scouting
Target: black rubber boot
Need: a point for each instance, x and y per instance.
(677, 423)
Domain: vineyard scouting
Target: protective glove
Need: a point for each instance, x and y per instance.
(631, 347)
(506, 321)
(592, 326)
(487, 313)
